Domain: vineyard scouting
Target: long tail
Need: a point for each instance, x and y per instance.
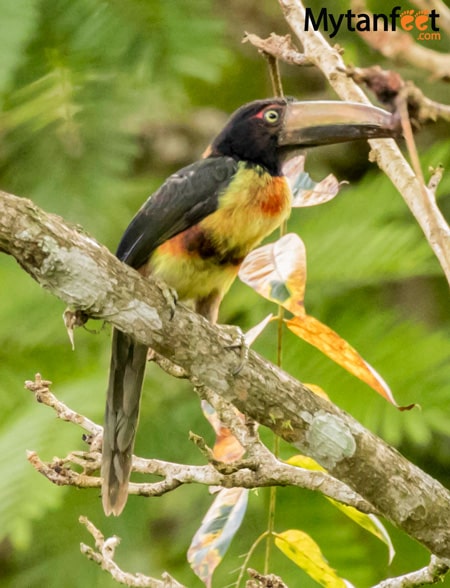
(128, 360)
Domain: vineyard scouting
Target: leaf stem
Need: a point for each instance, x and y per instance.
(248, 557)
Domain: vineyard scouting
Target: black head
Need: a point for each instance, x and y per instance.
(260, 132)
(251, 134)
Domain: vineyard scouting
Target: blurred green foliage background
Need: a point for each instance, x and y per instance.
(100, 101)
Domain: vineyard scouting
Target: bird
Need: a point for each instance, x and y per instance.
(196, 229)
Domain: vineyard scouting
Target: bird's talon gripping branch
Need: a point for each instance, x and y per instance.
(171, 297)
(239, 343)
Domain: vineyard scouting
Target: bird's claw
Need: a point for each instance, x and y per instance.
(239, 342)
(170, 296)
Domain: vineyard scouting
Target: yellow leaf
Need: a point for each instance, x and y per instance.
(305, 462)
(306, 554)
(331, 344)
(277, 271)
(368, 521)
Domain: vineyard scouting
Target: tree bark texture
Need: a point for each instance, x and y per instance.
(87, 277)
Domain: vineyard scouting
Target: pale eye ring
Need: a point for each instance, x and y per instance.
(271, 116)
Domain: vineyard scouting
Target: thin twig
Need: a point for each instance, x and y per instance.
(260, 469)
(41, 391)
(430, 574)
(103, 555)
(385, 152)
(278, 47)
(435, 179)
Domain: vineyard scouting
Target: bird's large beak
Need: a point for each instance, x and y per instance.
(327, 121)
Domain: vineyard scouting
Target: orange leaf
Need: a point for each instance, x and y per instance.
(277, 271)
(226, 448)
(331, 344)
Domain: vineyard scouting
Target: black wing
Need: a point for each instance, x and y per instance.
(184, 199)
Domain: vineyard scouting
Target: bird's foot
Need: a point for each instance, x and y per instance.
(170, 296)
(238, 342)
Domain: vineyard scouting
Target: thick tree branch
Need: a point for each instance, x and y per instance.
(85, 275)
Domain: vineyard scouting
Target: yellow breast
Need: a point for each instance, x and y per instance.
(254, 204)
(206, 257)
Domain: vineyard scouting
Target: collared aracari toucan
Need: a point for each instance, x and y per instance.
(196, 229)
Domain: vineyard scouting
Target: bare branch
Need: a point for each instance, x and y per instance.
(260, 469)
(41, 391)
(60, 473)
(103, 555)
(85, 275)
(387, 85)
(435, 179)
(431, 574)
(384, 151)
(278, 47)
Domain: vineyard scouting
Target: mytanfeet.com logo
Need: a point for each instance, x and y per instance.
(423, 23)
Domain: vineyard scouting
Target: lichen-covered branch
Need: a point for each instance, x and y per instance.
(85, 275)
